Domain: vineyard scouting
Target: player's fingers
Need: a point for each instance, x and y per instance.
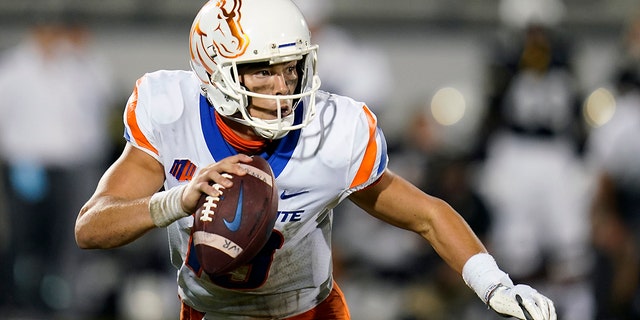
(215, 173)
(217, 180)
(525, 310)
(547, 307)
(244, 158)
(216, 188)
(552, 312)
(233, 165)
(537, 307)
(213, 179)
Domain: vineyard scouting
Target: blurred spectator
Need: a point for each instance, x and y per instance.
(346, 65)
(438, 292)
(392, 275)
(533, 176)
(54, 99)
(423, 159)
(614, 154)
(379, 265)
(630, 50)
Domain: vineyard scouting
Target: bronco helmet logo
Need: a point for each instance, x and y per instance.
(225, 32)
(231, 40)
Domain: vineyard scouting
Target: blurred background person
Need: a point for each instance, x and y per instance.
(55, 95)
(347, 65)
(452, 38)
(533, 176)
(432, 291)
(378, 264)
(614, 156)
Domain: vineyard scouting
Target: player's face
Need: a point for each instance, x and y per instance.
(277, 79)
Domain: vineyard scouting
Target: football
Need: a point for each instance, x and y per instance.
(229, 230)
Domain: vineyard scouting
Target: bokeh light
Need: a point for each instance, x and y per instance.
(448, 106)
(599, 107)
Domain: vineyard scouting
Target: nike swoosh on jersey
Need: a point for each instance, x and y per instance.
(285, 196)
(235, 224)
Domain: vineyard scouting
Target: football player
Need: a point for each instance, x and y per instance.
(253, 90)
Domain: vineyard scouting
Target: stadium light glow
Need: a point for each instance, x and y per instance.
(448, 106)
(599, 107)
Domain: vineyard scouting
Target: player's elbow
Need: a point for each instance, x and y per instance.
(84, 238)
(87, 238)
(83, 243)
(85, 233)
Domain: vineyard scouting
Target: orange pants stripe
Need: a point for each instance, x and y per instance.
(334, 307)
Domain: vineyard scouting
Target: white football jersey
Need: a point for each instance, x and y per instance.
(342, 150)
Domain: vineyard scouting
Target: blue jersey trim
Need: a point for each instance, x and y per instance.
(220, 149)
(383, 152)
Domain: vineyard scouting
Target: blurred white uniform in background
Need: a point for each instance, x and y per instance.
(55, 95)
(534, 178)
(614, 156)
(347, 66)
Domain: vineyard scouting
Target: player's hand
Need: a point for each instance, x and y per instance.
(208, 176)
(522, 302)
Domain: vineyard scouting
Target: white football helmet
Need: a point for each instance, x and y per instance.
(226, 33)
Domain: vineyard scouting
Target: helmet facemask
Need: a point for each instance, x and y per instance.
(271, 32)
(302, 100)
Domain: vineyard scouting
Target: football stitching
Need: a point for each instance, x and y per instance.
(207, 211)
(211, 202)
(209, 208)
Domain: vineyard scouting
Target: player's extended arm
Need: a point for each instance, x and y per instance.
(127, 203)
(118, 211)
(398, 202)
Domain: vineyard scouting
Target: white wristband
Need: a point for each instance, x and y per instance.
(165, 207)
(481, 273)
